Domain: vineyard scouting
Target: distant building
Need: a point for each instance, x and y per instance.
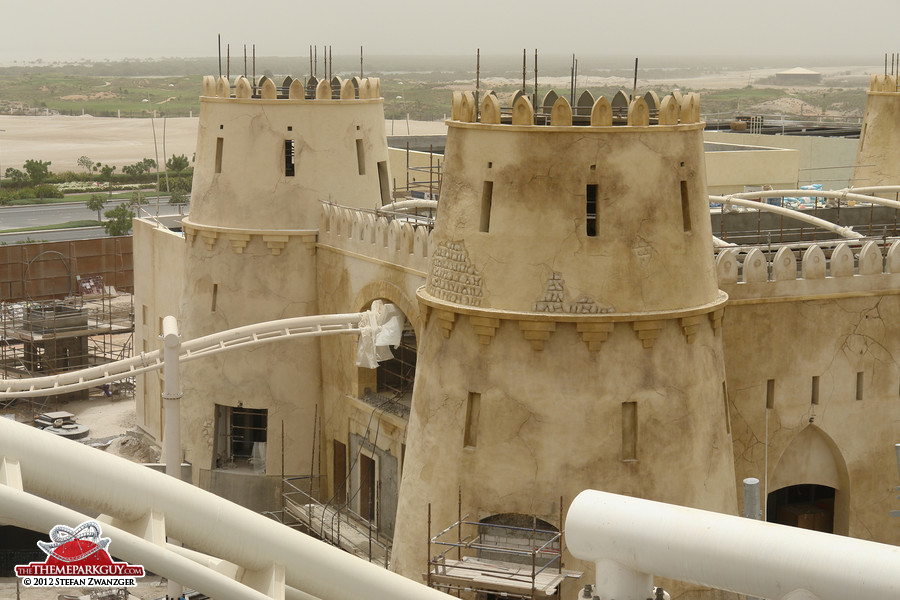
(798, 76)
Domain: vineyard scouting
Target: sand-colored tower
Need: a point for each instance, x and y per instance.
(267, 157)
(879, 138)
(573, 321)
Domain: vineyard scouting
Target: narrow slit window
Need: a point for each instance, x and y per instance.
(473, 412)
(685, 206)
(629, 431)
(859, 385)
(770, 393)
(288, 158)
(215, 296)
(727, 408)
(384, 182)
(220, 142)
(590, 208)
(361, 157)
(487, 198)
(814, 395)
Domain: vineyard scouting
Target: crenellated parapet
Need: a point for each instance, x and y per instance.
(355, 88)
(376, 238)
(814, 271)
(556, 111)
(885, 83)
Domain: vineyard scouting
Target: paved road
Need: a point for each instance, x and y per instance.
(14, 217)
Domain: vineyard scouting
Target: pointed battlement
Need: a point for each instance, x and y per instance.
(367, 88)
(556, 111)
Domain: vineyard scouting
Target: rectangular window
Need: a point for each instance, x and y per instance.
(360, 157)
(220, 142)
(473, 412)
(215, 296)
(859, 385)
(590, 207)
(145, 314)
(241, 438)
(339, 463)
(770, 393)
(384, 182)
(288, 158)
(814, 394)
(487, 198)
(629, 431)
(685, 206)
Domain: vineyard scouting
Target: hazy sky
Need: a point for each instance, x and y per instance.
(95, 29)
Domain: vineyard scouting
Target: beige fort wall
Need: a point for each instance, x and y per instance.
(879, 139)
(264, 166)
(361, 258)
(159, 262)
(556, 356)
(841, 325)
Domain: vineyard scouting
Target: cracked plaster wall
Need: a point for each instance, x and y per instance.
(832, 338)
(638, 260)
(551, 425)
(879, 141)
(252, 192)
(550, 420)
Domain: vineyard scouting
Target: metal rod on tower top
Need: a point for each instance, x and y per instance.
(315, 60)
(310, 60)
(254, 67)
(477, 80)
(634, 88)
(524, 69)
(220, 55)
(360, 62)
(228, 62)
(535, 99)
(245, 60)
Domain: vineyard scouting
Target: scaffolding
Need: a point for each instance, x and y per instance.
(39, 338)
(336, 524)
(497, 560)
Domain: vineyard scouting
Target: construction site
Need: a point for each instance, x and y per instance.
(65, 306)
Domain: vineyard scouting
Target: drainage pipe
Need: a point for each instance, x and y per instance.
(630, 538)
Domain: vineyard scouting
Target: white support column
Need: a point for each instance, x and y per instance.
(171, 397)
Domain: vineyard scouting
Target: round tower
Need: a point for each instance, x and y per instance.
(267, 157)
(879, 138)
(573, 321)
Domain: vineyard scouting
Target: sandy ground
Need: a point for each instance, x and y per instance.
(119, 142)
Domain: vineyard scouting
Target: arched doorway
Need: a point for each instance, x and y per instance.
(810, 486)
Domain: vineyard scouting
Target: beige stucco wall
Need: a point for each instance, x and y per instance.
(828, 161)
(728, 171)
(879, 140)
(832, 328)
(251, 257)
(159, 263)
(415, 169)
(361, 259)
(558, 333)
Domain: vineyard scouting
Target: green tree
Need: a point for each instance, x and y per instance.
(86, 163)
(179, 199)
(177, 163)
(106, 174)
(118, 220)
(38, 171)
(96, 202)
(16, 175)
(137, 199)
